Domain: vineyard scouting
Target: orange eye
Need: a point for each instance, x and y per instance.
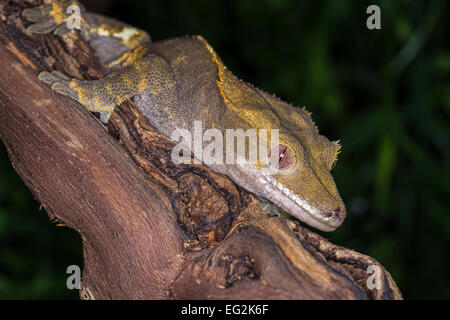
(285, 157)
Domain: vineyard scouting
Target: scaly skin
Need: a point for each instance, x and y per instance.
(179, 81)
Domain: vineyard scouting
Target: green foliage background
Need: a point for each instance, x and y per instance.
(384, 93)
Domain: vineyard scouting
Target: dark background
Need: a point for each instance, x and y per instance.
(384, 93)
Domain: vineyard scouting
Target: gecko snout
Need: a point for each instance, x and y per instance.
(339, 213)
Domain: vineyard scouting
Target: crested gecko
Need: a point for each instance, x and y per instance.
(179, 81)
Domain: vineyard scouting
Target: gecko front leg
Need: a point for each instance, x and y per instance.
(64, 85)
(151, 76)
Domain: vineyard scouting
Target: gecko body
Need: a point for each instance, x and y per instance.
(179, 81)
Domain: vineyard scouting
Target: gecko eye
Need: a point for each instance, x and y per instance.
(285, 157)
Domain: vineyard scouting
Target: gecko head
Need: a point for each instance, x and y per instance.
(302, 183)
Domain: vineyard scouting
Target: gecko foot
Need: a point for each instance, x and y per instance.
(50, 17)
(268, 207)
(64, 85)
(60, 83)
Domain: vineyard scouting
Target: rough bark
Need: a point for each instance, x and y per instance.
(151, 229)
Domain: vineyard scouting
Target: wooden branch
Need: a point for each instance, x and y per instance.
(151, 229)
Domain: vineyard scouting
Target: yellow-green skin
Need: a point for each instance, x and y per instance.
(176, 82)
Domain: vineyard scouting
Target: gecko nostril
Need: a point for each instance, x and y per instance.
(339, 213)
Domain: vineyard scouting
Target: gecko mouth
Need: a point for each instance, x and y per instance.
(301, 209)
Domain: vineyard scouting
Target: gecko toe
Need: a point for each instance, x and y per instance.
(268, 207)
(59, 83)
(41, 27)
(36, 14)
(61, 75)
(42, 18)
(52, 77)
(47, 77)
(64, 88)
(61, 30)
